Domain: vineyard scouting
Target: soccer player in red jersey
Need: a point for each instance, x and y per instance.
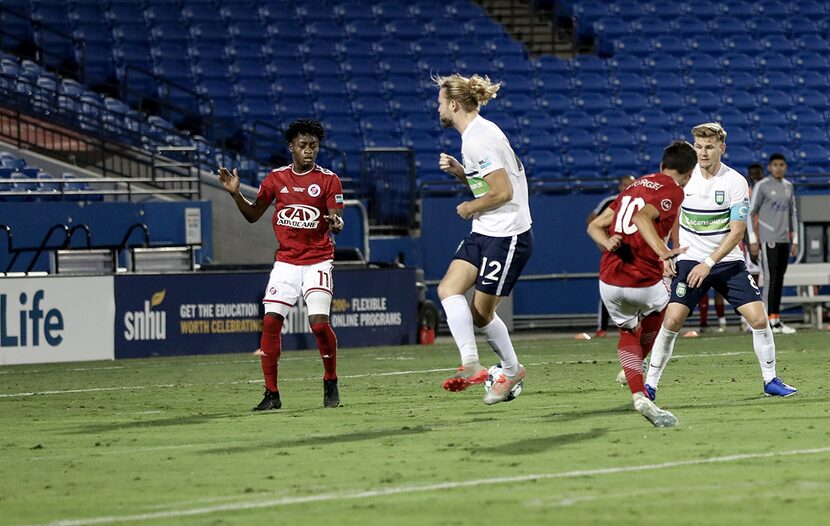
(633, 232)
(308, 204)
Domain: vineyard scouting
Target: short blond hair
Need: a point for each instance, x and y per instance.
(471, 92)
(708, 130)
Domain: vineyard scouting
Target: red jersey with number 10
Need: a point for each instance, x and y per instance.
(635, 264)
(300, 202)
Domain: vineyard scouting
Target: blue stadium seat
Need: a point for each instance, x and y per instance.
(581, 159)
(611, 27)
(629, 82)
(633, 45)
(578, 138)
(519, 84)
(627, 64)
(392, 48)
(576, 119)
(811, 135)
(812, 61)
(621, 159)
(650, 25)
(738, 157)
(812, 80)
(704, 100)
(772, 134)
(769, 28)
(707, 44)
(688, 27)
(742, 100)
(775, 9)
(614, 118)
(631, 101)
(617, 138)
(668, 82)
(776, 99)
(745, 44)
(671, 45)
(543, 163)
(771, 61)
(538, 121)
(779, 45)
(519, 103)
(702, 80)
(807, 117)
(804, 31)
(741, 80)
(811, 99)
(664, 63)
(593, 102)
(727, 25)
(732, 116)
(738, 62)
(771, 117)
(654, 137)
(630, 10)
(539, 139)
(780, 80)
(555, 103)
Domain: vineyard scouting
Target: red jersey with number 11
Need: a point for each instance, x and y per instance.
(300, 202)
(635, 264)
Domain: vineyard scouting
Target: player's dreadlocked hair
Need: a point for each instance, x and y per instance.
(305, 127)
(471, 92)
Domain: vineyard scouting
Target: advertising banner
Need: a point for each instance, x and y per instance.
(55, 319)
(178, 314)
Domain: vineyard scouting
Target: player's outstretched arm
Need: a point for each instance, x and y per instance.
(251, 211)
(448, 164)
(335, 220)
(644, 221)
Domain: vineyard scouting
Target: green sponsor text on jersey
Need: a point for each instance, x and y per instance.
(478, 185)
(705, 222)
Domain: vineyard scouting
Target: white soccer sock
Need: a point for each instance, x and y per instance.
(460, 320)
(764, 344)
(497, 336)
(660, 355)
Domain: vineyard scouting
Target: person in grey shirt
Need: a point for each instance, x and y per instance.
(773, 201)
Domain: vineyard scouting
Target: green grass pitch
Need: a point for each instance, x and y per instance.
(173, 441)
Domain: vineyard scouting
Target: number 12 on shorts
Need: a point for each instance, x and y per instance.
(493, 275)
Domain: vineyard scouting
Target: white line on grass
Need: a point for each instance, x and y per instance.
(382, 492)
(392, 373)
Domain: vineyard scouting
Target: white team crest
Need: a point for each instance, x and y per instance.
(681, 289)
(665, 204)
(314, 190)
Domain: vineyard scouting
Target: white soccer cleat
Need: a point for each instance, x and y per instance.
(502, 387)
(780, 328)
(652, 413)
(621, 379)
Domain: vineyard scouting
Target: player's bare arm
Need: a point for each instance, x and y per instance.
(335, 220)
(598, 230)
(252, 211)
(501, 192)
(644, 220)
(450, 165)
(730, 241)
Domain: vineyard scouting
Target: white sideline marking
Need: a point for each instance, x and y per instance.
(381, 492)
(392, 373)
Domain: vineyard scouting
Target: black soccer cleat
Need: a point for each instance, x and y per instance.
(271, 400)
(331, 394)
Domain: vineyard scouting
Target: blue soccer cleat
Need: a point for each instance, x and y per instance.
(652, 392)
(776, 387)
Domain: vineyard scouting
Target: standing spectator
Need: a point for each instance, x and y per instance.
(493, 255)
(602, 316)
(776, 239)
(308, 204)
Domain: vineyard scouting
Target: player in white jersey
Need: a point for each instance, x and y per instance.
(712, 223)
(493, 255)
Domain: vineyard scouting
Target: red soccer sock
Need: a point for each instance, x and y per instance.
(631, 359)
(719, 308)
(649, 327)
(703, 309)
(270, 346)
(327, 344)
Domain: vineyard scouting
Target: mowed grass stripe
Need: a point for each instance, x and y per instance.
(382, 492)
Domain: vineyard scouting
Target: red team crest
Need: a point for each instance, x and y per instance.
(635, 264)
(300, 201)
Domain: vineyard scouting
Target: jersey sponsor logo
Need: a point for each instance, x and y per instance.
(298, 216)
(298, 189)
(484, 163)
(314, 190)
(338, 198)
(703, 222)
(666, 204)
(652, 185)
(284, 190)
(681, 289)
(720, 196)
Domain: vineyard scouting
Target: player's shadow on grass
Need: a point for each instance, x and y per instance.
(578, 414)
(534, 446)
(326, 440)
(158, 422)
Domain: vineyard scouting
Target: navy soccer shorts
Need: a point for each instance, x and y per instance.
(730, 279)
(499, 260)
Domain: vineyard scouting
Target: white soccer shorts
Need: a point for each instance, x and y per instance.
(287, 281)
(626, 304)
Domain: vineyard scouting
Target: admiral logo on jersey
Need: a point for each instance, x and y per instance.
(298, 216)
